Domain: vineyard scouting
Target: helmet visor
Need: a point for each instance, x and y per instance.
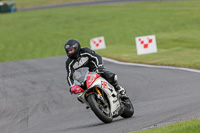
(70, 50)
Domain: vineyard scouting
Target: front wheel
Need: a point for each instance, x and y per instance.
(128, 108)
(103, 113)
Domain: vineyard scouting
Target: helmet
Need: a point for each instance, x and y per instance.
(72, 48)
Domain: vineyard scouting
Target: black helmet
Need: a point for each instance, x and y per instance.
(72, 48)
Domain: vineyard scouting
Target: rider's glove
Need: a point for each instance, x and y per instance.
(70, 88)
(100, 69)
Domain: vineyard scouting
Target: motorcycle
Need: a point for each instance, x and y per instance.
(99, 95)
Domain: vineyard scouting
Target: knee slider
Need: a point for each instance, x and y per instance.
(115, 78)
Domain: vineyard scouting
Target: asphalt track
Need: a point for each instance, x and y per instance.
(34, 98)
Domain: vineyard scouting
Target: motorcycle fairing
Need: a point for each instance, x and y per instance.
(114, 103)
(92, 80)
(91, 77)
(76, 89)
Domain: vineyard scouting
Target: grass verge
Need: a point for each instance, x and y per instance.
(42, 33)
(35, 3)
(191, 126)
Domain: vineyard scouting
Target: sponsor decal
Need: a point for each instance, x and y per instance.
(104, 84)
(114, 101)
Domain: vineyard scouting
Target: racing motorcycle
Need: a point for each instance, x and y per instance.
(99, 95)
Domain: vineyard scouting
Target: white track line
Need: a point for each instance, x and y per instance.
(151, 66)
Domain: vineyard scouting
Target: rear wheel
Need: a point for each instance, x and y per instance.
(128, 108)
(102, 112)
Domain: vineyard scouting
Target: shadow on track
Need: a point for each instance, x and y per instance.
(90, 126)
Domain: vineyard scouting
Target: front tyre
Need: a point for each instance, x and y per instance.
(103, 113)
(128, 108)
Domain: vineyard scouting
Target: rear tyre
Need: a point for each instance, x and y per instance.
(128, 108)
(103, 113)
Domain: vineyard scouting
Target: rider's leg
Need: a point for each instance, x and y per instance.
(116, 85)
(113, 80)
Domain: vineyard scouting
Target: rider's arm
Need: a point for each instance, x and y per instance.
(70, 72)
(93, 56)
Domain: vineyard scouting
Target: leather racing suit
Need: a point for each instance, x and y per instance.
(88, 58)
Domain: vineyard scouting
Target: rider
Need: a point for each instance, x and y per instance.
(85, 57)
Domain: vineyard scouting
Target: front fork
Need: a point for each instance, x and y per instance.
(101, 98)
(103, 102)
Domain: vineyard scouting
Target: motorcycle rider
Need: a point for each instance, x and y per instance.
(85, 57)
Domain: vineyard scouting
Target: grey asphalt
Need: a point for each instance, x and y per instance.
(34, 98)
(82, 4)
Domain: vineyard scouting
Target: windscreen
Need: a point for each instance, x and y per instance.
(79, 75)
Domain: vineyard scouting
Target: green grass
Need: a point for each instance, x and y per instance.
(191, 126)
(34, 3)
(42, 33)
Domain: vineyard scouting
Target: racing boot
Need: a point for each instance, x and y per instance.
(120, 90)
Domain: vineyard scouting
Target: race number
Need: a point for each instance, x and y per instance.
(104, 84)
